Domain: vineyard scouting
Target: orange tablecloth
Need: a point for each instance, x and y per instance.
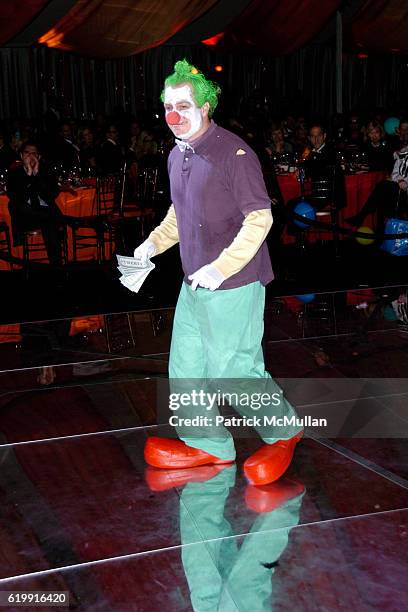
(358, 188)
(82, 204)
(11, 332)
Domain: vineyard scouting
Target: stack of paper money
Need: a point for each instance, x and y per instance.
(134, 271)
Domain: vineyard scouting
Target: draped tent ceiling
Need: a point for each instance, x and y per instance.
(119, 28)
(280, 27)
(382, 25)
(14, 16)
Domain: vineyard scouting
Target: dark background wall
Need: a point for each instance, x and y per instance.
(303, 81)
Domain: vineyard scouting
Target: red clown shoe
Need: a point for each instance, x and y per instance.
(175, 454)
(271, 461)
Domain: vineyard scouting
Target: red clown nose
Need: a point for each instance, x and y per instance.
(173, 118)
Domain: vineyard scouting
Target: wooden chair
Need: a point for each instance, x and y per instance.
(96, 231)
(143, 207)
(323, 191)
(34, 248)
(323, 188)
(5, 240)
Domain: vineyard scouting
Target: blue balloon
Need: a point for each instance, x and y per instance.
(306, 297)
(304, 209)
(390, 125)
(396, 246)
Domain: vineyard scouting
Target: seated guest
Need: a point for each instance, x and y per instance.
(400, 171)
(378, 151)
(134, 138)
(7, 155)
(149, 158)
(288, 126)
(319, 152)
(320, 164)
(276, 143)
(353, 134)
(87, 151)
(300, 141)
(32, 192)
(144, 144)
(67, 151)
(401, 140)
(147, 152)
(134, 129)
(59, 148)
(338, 129)
(389, 198)
(110, 157)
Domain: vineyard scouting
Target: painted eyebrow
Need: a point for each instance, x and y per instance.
(178, 102)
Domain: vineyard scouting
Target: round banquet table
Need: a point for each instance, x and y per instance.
(82, 203)
(358, 188)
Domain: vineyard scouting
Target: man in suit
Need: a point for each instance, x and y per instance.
(400, 139)
(321, 152)
(110, 156)
(32, 192)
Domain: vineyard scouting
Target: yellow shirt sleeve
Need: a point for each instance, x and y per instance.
(165, 235)
(246, 244)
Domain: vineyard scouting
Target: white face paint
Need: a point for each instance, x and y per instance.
(183, 116)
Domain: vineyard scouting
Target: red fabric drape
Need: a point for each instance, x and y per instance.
(16, 15)
(381, 25)
(117, 28)
(280, 27)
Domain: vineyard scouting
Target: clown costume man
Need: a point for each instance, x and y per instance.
(220, 216)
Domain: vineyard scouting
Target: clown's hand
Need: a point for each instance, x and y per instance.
(144, 252)
(208, 277)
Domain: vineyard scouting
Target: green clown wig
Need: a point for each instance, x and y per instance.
(203, 89)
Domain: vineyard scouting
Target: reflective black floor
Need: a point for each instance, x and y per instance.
(81, 512)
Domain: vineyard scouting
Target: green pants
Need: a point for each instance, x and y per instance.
(225, 573)
(217, 335)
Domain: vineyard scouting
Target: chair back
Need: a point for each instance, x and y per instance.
(319, 187)
(109, 193)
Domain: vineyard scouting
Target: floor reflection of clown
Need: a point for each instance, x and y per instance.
(220, 216)
(224, 571)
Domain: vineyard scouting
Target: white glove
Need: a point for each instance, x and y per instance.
(208, 277)
(144, 252)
